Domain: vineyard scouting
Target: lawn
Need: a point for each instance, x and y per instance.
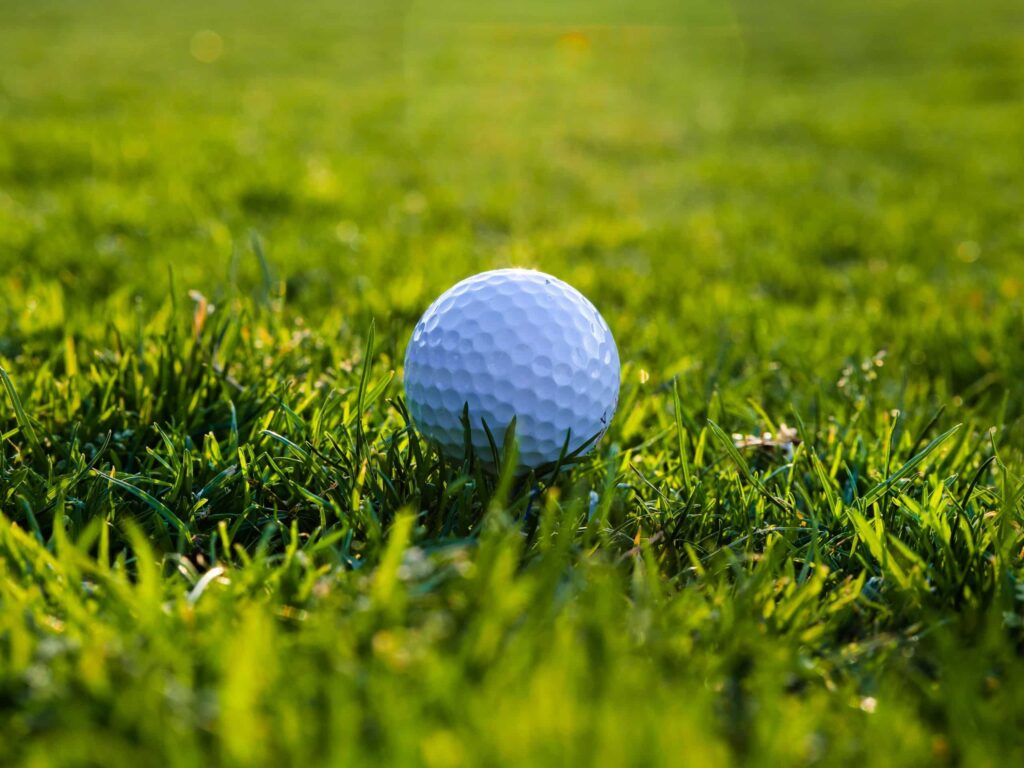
(223, 544)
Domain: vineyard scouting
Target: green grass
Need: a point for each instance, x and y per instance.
(221, 543)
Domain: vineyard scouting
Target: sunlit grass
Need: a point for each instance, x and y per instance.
(222, 543)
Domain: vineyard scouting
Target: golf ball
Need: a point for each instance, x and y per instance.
(512, 342)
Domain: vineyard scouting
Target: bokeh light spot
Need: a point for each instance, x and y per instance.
(206, 46)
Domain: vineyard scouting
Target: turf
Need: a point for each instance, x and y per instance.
(221, 543)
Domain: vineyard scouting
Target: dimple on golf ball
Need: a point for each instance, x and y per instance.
(512, 343)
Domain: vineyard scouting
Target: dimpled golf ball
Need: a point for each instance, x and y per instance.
(512, 343)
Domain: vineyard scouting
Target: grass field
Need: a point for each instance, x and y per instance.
(221, 543)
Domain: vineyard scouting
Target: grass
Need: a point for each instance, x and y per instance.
(221, 543)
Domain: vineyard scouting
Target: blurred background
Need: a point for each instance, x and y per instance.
(751, 190)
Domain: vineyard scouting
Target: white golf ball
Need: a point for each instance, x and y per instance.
(512, 342)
